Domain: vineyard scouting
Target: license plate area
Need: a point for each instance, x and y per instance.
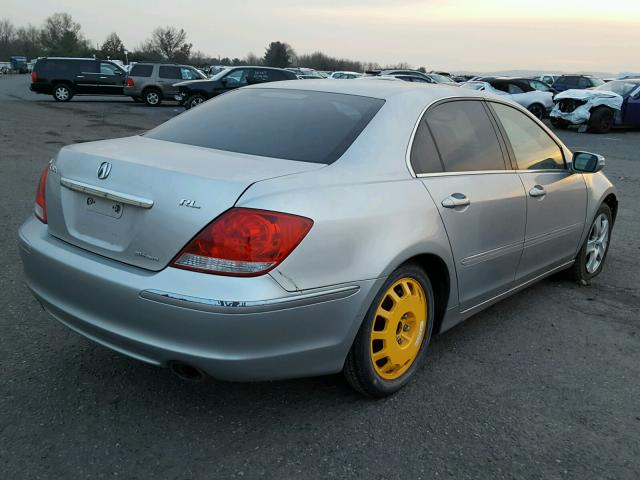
(102, 206)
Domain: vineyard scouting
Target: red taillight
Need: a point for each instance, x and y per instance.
(40, 208)
(34, 77)
(130, 82)
(244, 242)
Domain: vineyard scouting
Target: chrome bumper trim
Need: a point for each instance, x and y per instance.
(106, 193)
(244, 307)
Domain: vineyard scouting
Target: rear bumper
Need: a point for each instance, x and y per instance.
(232, 328)
(40, 88)
(131, 91)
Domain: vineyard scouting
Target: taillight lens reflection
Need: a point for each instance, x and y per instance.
(40, 208)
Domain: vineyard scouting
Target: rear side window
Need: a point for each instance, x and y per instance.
(424, 155)
(315, 127)
(465, 137)
(533, 148)
(141, 71)
(170, 72)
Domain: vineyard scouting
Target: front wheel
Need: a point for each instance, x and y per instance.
(194, 101)
(601, 120)
(590, 259)
(393, 338)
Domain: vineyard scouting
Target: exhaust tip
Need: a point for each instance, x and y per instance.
(187, 372)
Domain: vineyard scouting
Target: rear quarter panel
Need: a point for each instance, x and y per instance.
(362, 229)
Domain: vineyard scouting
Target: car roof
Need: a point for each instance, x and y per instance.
(381, 90)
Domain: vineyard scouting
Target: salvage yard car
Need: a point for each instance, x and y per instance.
(65, 77)
(566, 82)
(154, 82)
(613, 104)
(537, 102)
(303, 228)
(194, 92)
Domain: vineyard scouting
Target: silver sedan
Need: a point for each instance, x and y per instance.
(297, 229)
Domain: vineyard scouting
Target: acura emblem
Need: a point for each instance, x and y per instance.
(104, 170)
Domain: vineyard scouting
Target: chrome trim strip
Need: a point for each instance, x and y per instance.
(491, 254)
(106, 193)
(476, 308)
(244, 307)
(489, 99)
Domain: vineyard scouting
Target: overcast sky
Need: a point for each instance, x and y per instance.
(474, 35)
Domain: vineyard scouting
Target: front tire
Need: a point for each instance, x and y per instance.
(601, 120)
(393, 338)
(194, 101)
(591, 257)
(62, 92)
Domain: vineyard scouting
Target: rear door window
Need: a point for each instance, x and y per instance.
(306, 126)
(465, 137)
(170, 72)
(534, 149)
(84, 66)
(187, 73)
(141, 71)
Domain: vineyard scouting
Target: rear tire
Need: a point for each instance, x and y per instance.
(194, 101)
(601, 120)
(62, 92)
(538, 110)
(591, 257)
(152, 97)
(393, 338)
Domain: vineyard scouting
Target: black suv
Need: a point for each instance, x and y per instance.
(65, 77)
(194, 92)
(580, 82)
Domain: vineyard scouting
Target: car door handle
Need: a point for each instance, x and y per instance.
(103, 77)
(537, 191)
(456, 200)
(79, 76)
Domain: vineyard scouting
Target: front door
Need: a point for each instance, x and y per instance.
(556, 196)
(631, 109)
(480, 200)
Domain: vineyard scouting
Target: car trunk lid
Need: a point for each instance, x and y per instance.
(139, 200)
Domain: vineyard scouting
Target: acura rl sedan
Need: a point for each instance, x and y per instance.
(305, 228)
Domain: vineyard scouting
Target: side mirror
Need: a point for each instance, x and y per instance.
(585, 162)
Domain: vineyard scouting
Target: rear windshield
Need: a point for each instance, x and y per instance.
(315, 127)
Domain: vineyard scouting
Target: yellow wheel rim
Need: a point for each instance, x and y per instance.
(398, 328)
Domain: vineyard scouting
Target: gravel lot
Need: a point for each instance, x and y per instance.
(543, 385)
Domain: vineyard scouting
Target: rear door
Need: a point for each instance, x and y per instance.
(479, 197)
(167, 76)
(85, 75)
(556, 197)
(631, 108)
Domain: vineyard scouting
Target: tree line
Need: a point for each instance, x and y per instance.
(60, 35)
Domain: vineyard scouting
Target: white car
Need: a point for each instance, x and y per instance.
(538, 103)
(345, 75)
(548, 78)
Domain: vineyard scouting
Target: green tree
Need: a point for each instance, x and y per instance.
(28, 42)
(112, 47)
(278, 54)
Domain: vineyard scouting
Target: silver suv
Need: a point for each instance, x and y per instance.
(153, 82)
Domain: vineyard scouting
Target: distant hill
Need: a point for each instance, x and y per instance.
(532, 73)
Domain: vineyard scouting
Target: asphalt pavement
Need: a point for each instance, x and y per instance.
(544, 385)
